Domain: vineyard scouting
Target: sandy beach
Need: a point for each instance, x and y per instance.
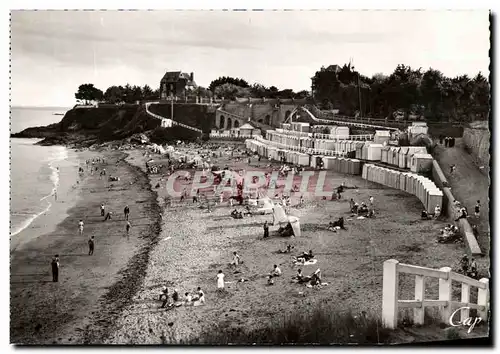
(77, 308)
(194, 245)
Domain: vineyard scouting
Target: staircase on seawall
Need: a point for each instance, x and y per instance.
(173, 121)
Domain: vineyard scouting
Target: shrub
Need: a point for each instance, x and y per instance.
(321, 325)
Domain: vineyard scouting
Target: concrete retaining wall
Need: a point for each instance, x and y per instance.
(450, 210)
(478, 142)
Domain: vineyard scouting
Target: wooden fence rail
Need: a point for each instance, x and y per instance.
(391, 303)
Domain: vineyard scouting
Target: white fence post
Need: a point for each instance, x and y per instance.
(445, 294)
(419, 312)
(465, 297)
(390, 289)
(483, 296)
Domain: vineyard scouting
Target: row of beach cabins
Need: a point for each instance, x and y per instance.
(368, 155)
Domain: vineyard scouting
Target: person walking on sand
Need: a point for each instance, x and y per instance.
(80, 226)
(55, 268)
(266, 229)
(127, 227)
(91, 246)
(126, 212)
(102, 209)
(220, 280)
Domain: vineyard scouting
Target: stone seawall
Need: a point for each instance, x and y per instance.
(477, 139)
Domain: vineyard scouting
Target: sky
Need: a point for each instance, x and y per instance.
(53, 52)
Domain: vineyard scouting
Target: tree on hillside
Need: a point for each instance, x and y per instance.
(88, 93)
(114, 94)
(231, 91)
(147, 93)
(258, 90)
(303, 94)
(414, 92)
(227, 80)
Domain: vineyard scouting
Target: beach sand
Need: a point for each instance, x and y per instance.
(194, 245)
(112, 297)
(77, 308)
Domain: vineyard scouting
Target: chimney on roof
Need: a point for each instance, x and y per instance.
(191, 77)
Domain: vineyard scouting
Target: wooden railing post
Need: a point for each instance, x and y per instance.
(445, 294)
(390, 294)
(483, 298)
(465, 297)
(419, 312)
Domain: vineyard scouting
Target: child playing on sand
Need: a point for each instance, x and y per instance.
(236, 259)
(80, 227)
(220, 280)
(102, 209)
(108, 216)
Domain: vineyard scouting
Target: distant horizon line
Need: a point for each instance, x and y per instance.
(46, 107)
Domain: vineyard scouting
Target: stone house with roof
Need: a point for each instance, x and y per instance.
(177, 84)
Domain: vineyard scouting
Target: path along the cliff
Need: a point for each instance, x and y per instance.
(173, 121)
(468, 185)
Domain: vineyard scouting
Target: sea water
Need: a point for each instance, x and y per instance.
(35, 171)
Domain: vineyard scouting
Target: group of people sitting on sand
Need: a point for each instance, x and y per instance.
(336, 225)
(303, 257)
(314, 279)
(468, 267)
(363, 209)
(236, 214)
(174, 300)
(449, 234)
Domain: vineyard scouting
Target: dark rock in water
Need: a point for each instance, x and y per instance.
(170, 324)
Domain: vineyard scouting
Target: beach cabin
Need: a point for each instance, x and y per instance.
(374, 152)
(420, 163)
(402, 157)
(417, 128)
(342, 132)
(414, 150)
(248, 130)
(384, 153)
(382, 136)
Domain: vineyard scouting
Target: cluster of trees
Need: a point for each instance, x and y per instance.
(116, 94)
(406, 92)
(231, 88)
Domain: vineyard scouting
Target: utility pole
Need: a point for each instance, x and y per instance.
(172, 106)
(359, 88)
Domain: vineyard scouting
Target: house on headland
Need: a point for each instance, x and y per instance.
(176, 84)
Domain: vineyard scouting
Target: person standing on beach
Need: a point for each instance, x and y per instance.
(477, 209)
(102, 209)
(266, 229)
(127, 227)
(91, 246)
(126, 212)
(80, 227)
(220, 280)
(55, 268)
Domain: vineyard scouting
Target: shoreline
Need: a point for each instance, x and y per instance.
(68, 194)
(90, 287)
